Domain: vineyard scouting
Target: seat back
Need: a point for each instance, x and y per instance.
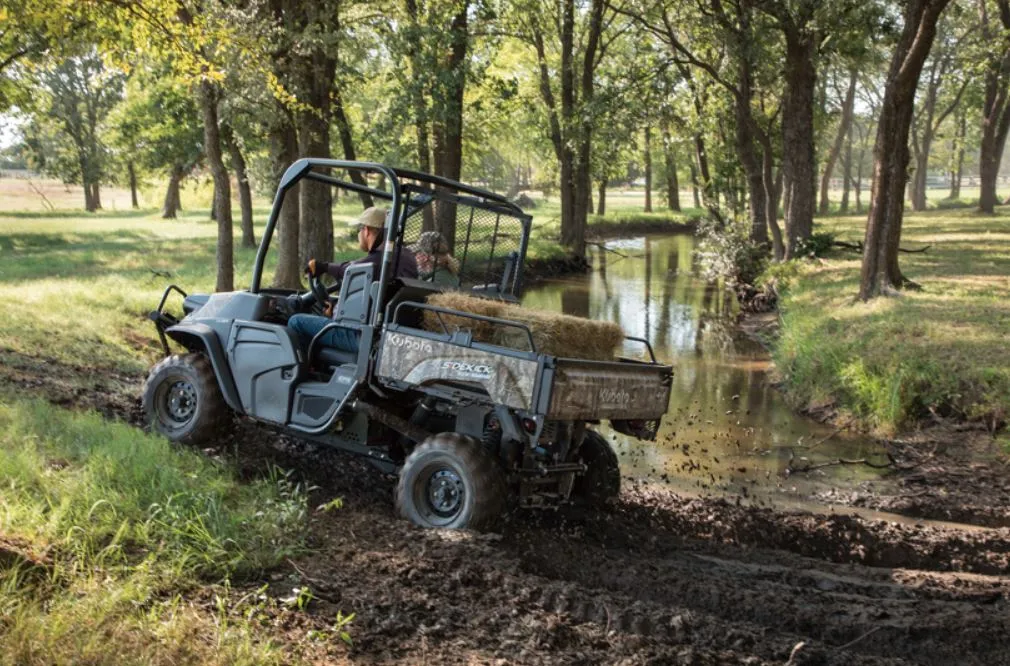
(355, 295)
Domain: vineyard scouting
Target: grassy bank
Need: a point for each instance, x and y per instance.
(109, 536)
(890, 362)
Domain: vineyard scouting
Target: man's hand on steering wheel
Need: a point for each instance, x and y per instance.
(315, 270)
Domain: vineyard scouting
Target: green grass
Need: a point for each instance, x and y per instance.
(893, 360)
(123, 524)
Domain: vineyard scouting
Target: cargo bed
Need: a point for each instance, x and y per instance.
(564, 389)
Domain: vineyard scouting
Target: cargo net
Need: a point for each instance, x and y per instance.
(480, 252)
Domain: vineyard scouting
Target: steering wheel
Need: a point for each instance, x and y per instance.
(321, 297)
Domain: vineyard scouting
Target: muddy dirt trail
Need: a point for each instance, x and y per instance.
(654, 579)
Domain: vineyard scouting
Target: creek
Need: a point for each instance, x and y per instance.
(728, 430)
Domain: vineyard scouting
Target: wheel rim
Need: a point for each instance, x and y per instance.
(440, 493)
(176, 402)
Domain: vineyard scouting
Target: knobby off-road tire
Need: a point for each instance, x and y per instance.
(183, 402)
(450, 481)
(601, 484)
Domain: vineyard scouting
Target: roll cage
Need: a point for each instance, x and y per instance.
(409, 193)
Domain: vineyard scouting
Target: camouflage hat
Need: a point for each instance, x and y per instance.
(373, 217)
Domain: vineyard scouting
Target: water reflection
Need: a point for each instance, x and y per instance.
(727, 430)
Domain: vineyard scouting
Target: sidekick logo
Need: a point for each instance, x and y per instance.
(469, 370)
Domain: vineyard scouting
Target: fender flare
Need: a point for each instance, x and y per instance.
(202, 338)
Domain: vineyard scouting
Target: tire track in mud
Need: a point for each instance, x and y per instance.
(656, 579)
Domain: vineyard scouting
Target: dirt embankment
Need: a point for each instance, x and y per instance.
(944, 470)
(655, 579)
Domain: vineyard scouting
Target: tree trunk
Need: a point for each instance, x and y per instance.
(420, 109)
(799, 167)
(284, 151)
(315, 233)
(708, 193)
(956, 172)
(96, 196)
(133, 185)
(672, 184)
(347, 145)
(749, 159)
(89, 204)
(694, 186)
(843, 206)
(171, 208)
(222, 186)
(601, 202)
(447, 125)
(244, 191)
(996, 105)
(647, 160)
(836, 147)
(880, 272)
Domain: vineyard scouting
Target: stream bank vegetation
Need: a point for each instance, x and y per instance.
(118, 547)
(935, 353)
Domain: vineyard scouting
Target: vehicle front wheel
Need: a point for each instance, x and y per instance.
(183, 401)
(450, 481)
(601, 483)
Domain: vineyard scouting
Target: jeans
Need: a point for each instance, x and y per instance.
(306, 326)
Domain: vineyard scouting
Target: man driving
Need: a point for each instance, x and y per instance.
(371, 226)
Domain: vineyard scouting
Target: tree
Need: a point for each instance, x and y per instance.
(996, 103)
(567, 92)
(941, 87)
(701, 41)
(844, 130)
(880, 271)
(157, 124)
(77, 93)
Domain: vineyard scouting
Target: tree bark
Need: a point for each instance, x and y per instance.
(799, 167)
(222, 186)
(96, 195)
(172, 200)
(996, 105)
(672, 184)
(347, 145)
(694, 186)
(601, 202)
(836, 148)
(134, 203)
(647, 160)
(956, 172)
(317, 72)
(880, 273)
(244, 191)
(447, 120)
(420, 108)
(843, 206)
(283, 152)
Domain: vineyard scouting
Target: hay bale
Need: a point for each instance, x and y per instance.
(553, 333)
(481, 330)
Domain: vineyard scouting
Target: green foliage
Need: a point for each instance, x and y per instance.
(727, 253)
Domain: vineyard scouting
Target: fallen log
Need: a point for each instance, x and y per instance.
(858, 247)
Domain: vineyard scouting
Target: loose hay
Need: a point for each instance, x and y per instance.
(553, 333)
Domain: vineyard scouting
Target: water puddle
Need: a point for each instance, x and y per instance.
(728, 431)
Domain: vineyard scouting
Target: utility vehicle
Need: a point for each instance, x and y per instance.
(469, 427)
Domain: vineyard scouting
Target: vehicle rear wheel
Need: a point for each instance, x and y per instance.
(183, 401)
(601, 484)
(450, 481)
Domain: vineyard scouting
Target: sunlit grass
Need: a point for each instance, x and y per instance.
(893, 360)
(122, 522)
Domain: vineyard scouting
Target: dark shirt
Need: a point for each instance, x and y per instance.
(406, 267)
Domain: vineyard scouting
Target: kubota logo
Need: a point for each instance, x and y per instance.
(609, 396)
